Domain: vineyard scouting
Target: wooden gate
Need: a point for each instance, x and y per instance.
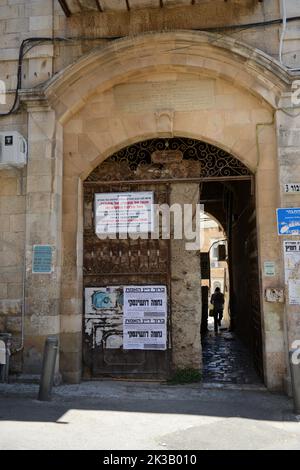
(254, 295)
(115, 263)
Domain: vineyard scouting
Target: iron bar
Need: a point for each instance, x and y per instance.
(116, 274)
(205, 179)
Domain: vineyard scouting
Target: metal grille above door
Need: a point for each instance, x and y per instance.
(180, 159)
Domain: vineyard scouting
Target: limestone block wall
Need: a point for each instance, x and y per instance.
(12, 243)
(202, 15)
(43, 226)
(288, 138)
(20, 19)
(237, 121)
(291, 38)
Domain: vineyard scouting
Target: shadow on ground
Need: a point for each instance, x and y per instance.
(18, 401)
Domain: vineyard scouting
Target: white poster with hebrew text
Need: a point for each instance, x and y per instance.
(145, 317)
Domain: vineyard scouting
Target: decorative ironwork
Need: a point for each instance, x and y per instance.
(200, 159)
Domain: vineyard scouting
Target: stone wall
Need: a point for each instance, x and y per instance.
(20, 19)
(240, 122)
(100, 128)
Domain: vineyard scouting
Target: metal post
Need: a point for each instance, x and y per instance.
(49, 359)
(295, 376)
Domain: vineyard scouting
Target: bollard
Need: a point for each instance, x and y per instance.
(49, 359)
(295, 377)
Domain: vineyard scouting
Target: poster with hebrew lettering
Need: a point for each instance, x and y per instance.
(145, 317)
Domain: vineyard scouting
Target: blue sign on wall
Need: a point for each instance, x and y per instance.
(42, 259)
(288, 221)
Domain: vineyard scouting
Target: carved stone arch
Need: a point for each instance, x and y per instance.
(81, 95)
(218, 55)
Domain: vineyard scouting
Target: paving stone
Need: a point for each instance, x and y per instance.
(227, 361)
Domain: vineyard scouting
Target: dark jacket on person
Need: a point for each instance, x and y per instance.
(217, 299)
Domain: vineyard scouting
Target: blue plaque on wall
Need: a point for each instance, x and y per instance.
(42, 259)
(288, 221)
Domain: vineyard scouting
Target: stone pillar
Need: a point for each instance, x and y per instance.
(186, 290)
(43, 227)
(267, 199)
(288, 135)
(72, 274)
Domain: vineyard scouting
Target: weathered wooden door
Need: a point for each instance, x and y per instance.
(254, 294)
(109, 265)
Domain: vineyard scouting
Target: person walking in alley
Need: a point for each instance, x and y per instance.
(217, 300)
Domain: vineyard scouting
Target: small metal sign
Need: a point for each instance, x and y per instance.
(42, 259)
(269, 268)
(292, 188)
(166, 156)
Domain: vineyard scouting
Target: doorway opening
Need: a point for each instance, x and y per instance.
(231, 340)
(171, 170)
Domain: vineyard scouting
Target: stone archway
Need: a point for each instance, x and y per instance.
(173, 170)
(232, 93)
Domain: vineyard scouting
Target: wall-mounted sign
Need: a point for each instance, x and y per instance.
(104, 316)
(292, 270)
(126, 212)
(294, 291)
(166, 156)
(288, 221)
(291, 259)
(292, 188)
(145, 317)
(274, 294)
(269, 268)
(42, 259)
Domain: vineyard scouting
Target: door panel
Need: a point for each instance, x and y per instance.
(110, 264)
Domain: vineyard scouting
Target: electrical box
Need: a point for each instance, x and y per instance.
(13, 150)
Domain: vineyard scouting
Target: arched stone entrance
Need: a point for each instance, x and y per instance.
(223, 93)
(175, 172)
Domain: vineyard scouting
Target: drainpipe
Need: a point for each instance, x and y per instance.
(282, 36)
(21, 346)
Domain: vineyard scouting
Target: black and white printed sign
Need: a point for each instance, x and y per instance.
(126, 212)
(145, 317)
(292, 270)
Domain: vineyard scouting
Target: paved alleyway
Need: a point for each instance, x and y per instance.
(127, 415)
(226, 360)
